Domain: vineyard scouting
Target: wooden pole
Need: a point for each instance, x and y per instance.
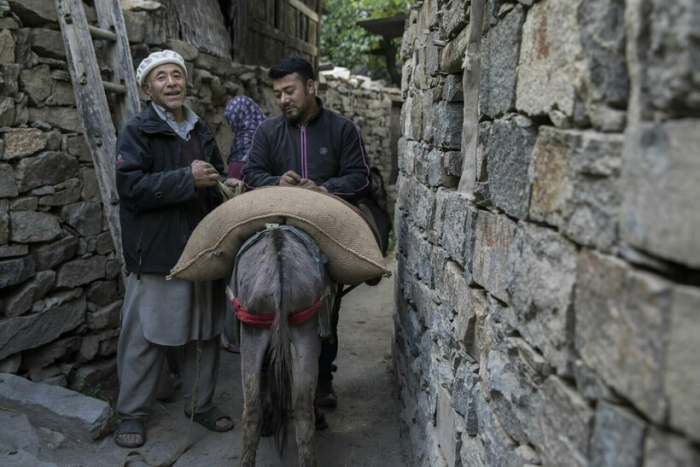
(110, 17)
(93, 109)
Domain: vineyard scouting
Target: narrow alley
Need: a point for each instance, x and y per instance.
(364, 428)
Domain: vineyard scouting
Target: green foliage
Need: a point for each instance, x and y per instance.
(96, 391)
(345, 43)
(391, 248)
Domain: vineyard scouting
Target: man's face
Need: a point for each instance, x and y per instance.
(166, 86)
(294, 97)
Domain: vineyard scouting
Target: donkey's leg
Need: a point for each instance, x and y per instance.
(254, 341)
(308, 347)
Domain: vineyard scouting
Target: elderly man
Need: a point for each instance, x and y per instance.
(168, 166)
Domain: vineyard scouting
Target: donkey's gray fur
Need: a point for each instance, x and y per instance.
(278, 275)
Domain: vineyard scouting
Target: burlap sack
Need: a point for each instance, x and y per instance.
(337, 227)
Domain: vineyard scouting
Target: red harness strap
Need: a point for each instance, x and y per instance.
(265, 321)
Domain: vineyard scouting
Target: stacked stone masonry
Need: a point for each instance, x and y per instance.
(61, 288)
(548, 304)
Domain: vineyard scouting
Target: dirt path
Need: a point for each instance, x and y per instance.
(364, 428)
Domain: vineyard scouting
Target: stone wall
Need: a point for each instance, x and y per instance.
(549, 262)
(60, 286)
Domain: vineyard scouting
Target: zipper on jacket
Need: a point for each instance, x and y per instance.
(138, 249)
(304, 168)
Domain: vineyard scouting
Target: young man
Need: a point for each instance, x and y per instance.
(168, 166)
(311, 147)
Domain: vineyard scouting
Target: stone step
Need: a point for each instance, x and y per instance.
(56, 408)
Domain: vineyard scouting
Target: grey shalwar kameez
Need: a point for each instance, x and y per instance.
(159, 313)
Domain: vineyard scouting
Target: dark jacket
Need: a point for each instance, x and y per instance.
(328, 150)
(153, 189)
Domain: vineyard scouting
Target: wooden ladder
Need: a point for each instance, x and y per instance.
(90, 91)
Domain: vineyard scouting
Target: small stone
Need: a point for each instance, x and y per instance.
(47, 43)
(25, 203)
(15, 271)
(53, 254)
(13, 251)
(33, 227)
(56, 408)
(48, 168)
(11, 364)
(63, 118)
(618, 437)
(23, 142)
(85, 218)
(7, 111)
(8, 187)
(105, 318)
(622, 327)
(104, 243)
(80, 272)
(7, 47)
(34, 12)
(665, 449)
(36, 82)
(19, 300)
(659, 175)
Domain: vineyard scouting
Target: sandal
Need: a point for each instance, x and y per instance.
(227, 346)
(321, 423)
(209, 418)
(130, 426)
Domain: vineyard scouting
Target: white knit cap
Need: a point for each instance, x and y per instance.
(157, 59)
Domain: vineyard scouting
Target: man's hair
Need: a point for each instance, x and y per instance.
(292, 64)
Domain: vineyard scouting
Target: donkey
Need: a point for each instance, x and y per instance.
(280, 278)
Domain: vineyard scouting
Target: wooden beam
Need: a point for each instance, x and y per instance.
(114, 87)
(102, 34)
(306, 47)
(266, 29)
(304, 9)
(290, 41)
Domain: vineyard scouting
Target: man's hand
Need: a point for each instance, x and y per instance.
(234, 183)
(310, 185)
(290, 178)
(204, 174)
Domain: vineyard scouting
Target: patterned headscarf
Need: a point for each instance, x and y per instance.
(244, 116)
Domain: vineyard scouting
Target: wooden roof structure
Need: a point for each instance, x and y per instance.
(388, 28)
(252, 32)
(264, 31)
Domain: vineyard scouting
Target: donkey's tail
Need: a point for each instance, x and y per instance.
(280, 378)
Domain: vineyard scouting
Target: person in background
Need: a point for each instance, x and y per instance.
(243, 116)
(168, 168)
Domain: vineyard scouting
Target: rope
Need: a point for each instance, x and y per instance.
(265, 321)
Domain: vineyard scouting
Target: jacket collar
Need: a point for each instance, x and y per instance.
(319, 111)
(153, 123)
